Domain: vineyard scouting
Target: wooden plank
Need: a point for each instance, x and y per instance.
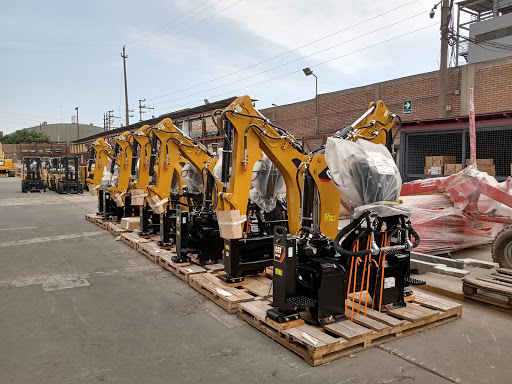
(213, 283)
(312, 336)
(185, 272)
(258, 287)
(502, 276)
(370, 323)
(490, 287)
(506, 271)
(376, 315)
(434, 302)
(347, 329)
(492, 280)
(254, 310)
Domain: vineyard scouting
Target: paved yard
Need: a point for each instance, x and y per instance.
(77, 306)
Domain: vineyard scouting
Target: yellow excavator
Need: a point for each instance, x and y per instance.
(100, 155)
(124, 155)
(6, 168)
(310, 265)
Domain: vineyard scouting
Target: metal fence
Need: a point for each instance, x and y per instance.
(492, 143)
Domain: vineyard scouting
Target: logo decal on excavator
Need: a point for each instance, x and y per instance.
(325, 175)
(238, 108)
(279, 253)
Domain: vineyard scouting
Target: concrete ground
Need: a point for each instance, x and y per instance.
(77, 306)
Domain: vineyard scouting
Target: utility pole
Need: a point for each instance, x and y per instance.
(141, 107)
(443, 65)
(110, 117)
(104, 122)
(124, 56)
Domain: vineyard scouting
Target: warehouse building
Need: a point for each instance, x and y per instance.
(66, 132)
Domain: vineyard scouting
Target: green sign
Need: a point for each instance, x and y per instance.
(407, 107)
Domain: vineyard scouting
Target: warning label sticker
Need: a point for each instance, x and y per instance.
(389, 282)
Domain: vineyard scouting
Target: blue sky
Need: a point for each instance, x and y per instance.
(57, 55)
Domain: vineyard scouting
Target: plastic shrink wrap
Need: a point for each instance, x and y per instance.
(192, 178)
(267, 185)
(363, 171)
(458, 211)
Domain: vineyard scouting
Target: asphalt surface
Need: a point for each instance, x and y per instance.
(77, 306)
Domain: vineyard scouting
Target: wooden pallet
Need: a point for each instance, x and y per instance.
(149, 249)
(495, 288)
(319, 345)
(92, 217)
(132, 239)
(116, 229)
(229, 298)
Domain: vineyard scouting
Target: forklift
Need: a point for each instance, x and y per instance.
(68, 180)
(32, 175)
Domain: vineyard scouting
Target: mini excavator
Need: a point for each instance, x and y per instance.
(165, 189)
(311, 267)
(149, 221)
(100, 155)
(125, 156)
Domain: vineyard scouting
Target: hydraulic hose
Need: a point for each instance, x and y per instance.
(341, 234)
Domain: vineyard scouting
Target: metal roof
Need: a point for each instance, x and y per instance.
(478, 6)
(221, 104)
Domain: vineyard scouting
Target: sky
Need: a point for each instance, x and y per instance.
(58, 55)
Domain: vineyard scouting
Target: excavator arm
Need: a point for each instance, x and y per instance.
(100, 155)
(247, 133)
(123, 155)
(374, 125)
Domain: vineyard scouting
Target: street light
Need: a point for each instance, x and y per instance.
(77, 125)
(274, 112)
(307, 72)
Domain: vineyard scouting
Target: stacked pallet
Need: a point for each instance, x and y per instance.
(495, 288)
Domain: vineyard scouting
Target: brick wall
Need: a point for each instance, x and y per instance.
(492, 81)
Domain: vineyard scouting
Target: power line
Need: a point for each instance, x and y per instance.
(300, 70)
(176, 19)
(290, 51)
(293, 61)
(199, 22)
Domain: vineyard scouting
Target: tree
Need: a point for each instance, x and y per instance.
(26, 136)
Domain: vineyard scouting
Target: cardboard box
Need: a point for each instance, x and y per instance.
(433, 171)
(452, 169)
(481, 161)
(230, 224)
(490, 169)
(130, 223)
(439, 161)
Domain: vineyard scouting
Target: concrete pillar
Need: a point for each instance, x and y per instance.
(466, 83)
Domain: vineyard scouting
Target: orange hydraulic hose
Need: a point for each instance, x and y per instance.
(354, 290)
(378, 268)
(382, 278)
(364, 274)
(349, 281)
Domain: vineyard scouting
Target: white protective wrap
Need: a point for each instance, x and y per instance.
(267, 185)
(192, 178)
(363, 171)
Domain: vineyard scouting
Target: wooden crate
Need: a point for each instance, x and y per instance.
(229, 297)
(132, 239)
(116, 229)
(495, 288)
(319, 345)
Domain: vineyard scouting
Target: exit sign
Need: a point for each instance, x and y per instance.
(407, 107)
